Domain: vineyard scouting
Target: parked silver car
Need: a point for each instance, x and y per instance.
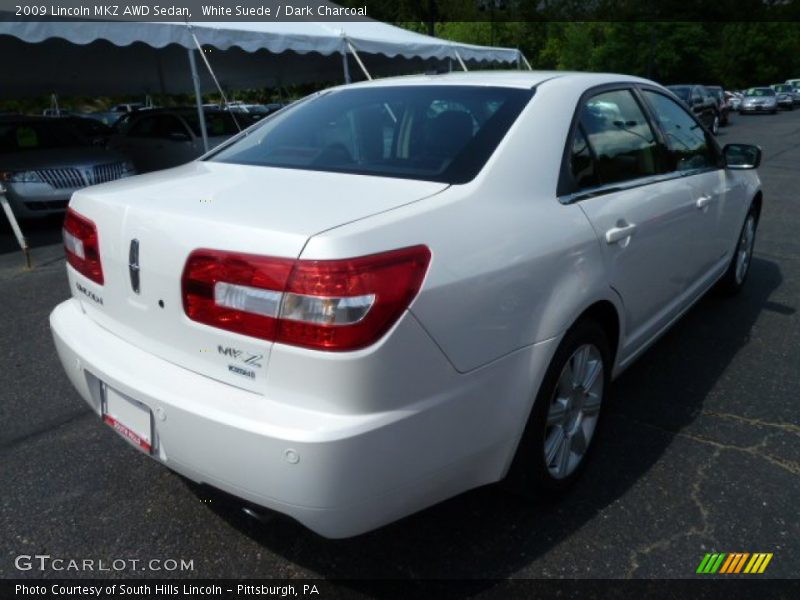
(787, 91)
(759, 99)
(44, 160)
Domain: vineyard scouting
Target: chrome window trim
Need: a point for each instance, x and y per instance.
(623, 186)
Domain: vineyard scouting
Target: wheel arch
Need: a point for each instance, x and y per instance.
(605, 314)
(756, 203)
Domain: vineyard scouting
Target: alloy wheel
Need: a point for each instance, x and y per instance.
(744, 251)
(574, 410)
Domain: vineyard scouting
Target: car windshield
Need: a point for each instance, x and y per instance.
(21, 136)
(760, 92)
(783, 88)
(436, 133)
(684, 92)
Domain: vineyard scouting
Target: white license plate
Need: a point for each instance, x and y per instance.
(129, 418)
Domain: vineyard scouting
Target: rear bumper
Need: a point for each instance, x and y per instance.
(338, 474)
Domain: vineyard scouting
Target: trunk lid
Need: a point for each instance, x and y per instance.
(256, 210)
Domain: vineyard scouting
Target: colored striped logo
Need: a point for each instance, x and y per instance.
(734, 562)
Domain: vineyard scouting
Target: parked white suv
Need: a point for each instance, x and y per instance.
(392, 292)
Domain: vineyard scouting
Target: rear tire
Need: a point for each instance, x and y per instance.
(562, 425)
(734, 278)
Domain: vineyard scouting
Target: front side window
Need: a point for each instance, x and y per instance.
(431, 132)
(689, 146)
(614, 141)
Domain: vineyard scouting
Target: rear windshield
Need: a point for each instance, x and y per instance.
(433, 133)
(20, 136)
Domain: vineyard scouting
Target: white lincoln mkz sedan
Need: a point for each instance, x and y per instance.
(392, 292)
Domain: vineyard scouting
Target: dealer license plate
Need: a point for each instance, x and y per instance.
(129, 418)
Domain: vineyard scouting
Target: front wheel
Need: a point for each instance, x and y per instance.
(562, 425)
(739, 267)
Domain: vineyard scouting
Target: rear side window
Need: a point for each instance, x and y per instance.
(435, 133)
(582, 162)
(689, 145)
(614, 142)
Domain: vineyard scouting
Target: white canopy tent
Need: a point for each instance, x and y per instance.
(100, 57)
(127, 57)
(114, 58)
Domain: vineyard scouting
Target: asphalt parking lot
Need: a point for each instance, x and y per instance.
(700, 449)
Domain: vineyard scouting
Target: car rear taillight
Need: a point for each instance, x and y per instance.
(82, 246)
(323, 304)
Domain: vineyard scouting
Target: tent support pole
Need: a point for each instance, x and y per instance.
(198, 98)
(225, 102)
(54, 105)
(525, 60)
(461, 62)
(23, 244)
(345, 67)
(358, 59)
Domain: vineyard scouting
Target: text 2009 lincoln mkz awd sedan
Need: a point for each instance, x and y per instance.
(392, 292)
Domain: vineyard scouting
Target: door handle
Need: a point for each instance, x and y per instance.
(615, 234)
(702, 202)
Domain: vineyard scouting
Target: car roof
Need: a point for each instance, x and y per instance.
(513, 79)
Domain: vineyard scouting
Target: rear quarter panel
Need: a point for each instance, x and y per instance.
(511, 265)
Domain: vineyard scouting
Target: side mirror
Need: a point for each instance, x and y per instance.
(742, 156)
